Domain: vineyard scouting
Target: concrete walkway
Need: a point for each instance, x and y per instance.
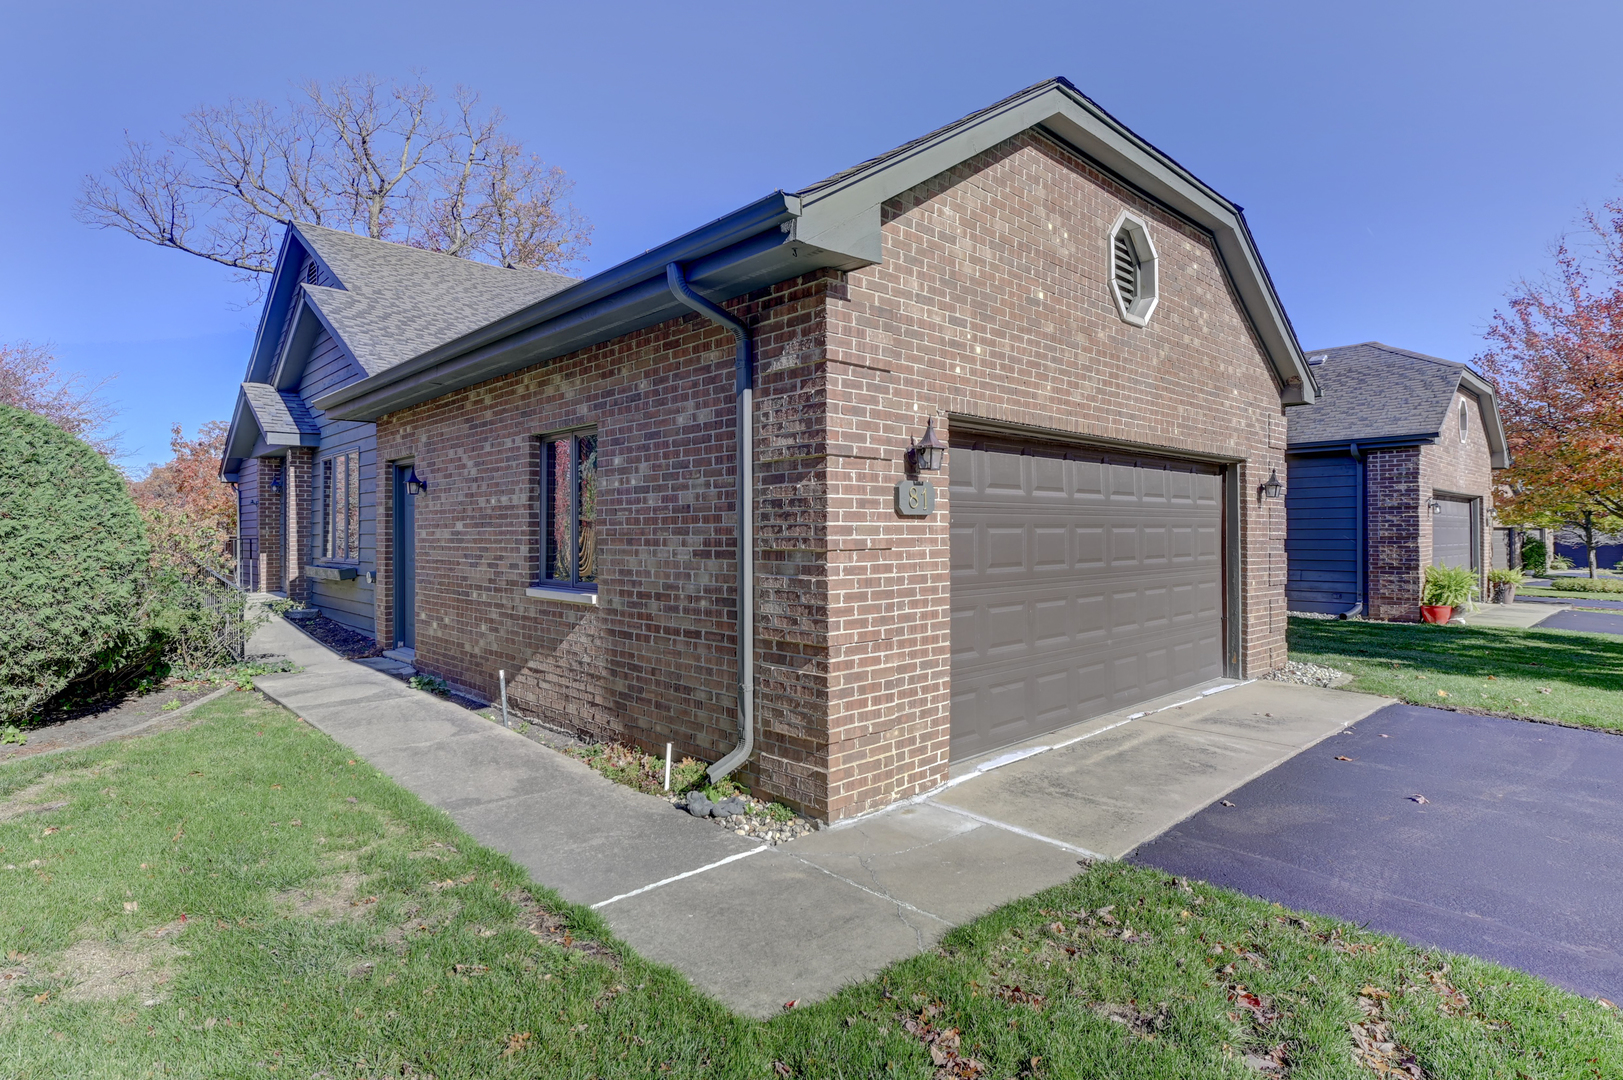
(757, 927)
(1515, 615)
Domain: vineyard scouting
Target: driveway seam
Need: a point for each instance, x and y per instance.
(1017, 830)
(917, 932)
(678, 877)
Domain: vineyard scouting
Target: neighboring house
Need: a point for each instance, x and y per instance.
(339, 308)
(1088, 326)
(1390, 471)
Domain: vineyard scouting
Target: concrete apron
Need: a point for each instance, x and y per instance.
(758, 927)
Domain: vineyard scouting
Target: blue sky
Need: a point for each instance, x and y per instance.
(1401, 164)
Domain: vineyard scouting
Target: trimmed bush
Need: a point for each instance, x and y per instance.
(1587, 585)
(1534, 556)
(73, 557)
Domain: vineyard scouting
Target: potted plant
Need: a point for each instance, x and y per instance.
(1504, 584)
(1445, 588)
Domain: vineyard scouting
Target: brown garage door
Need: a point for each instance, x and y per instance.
(1081, 583)
(1451, 533)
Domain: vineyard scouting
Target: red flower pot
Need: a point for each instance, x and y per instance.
(1435, 613)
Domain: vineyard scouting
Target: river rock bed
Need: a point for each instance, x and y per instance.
(744, 815)
(1302, 674)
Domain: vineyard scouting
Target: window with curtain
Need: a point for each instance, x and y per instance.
(569, 511)
(341, 507)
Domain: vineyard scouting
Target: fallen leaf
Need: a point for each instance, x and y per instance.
(1606, 1003)
(1545, 690)
(780, 1068)
(132, 905)
(40, 999)
(516, 1043)
(789, 1005)
(1340, 758)
(1442, 693)
(1386, 736)
(1419, 799)
(1494, 677)
(1225, 802)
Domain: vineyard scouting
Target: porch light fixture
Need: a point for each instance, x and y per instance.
(276, 485)
(415, 485)
(1434, 506)
(1272, 488)
(928, 453)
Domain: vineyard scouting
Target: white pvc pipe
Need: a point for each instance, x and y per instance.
(667, 766)
(505, 722)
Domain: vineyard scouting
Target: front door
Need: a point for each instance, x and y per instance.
(405, 561)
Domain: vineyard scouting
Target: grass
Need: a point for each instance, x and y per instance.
(1541, 674)
(241, 898)
(1572, 594)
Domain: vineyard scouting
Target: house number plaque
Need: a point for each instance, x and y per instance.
(915, 498)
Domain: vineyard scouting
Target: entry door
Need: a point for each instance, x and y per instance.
(1081, 583)
(1451, 533)
(405, 561)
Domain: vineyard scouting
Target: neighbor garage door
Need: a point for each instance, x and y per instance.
(1451, 534)
(1081, 583)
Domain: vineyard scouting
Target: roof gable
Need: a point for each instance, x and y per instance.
(1373, 392)
(834, 223)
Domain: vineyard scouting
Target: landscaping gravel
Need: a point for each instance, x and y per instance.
(745, 815)
(1302, 674)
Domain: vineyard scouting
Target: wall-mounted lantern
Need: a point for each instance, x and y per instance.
(929, 452)
(1434, 506)
(1271, 488)
(276, 485)
(415, 485)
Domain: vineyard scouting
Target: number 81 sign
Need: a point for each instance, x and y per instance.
(915, 498)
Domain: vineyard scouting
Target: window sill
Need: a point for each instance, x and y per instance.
(568, 596)
(331, 573)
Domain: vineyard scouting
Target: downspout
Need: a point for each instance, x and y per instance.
(744, 388)
(1360, 554)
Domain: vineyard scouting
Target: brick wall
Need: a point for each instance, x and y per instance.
(653, 661)
(297, 476)
(991, 304)
(1394, 534)
(272, 522)
(1454, 467)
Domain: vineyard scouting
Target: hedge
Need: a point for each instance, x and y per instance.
(73, 557)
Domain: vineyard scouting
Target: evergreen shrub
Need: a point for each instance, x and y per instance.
(73, 560)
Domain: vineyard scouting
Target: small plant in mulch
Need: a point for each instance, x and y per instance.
(431, 684)
(629, 766)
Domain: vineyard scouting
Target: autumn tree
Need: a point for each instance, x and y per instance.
(1556, 357)
(383, 160)
(30, 379)
(190, 516)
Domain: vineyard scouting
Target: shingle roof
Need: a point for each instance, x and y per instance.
(282, 416)
(1374, 391)
(400, 301)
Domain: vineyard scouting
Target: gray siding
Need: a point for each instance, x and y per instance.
(1322, 515)
(248, 525)
(347, 602)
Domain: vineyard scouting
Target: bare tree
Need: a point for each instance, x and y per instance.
(29, 379)
(381, 160)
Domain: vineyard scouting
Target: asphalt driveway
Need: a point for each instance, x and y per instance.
(1590, 622)
(1516, 854)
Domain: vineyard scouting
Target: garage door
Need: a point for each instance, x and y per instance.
(1451, 534)
(1081, 583)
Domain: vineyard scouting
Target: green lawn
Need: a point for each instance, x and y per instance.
(241, 898)
(1545, 674)
(1568, 594)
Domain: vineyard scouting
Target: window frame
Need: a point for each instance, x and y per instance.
(573, 588)
(1147, 293)
(336, 509)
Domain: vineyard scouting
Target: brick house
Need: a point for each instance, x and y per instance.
(680, 500)
(1389, 472)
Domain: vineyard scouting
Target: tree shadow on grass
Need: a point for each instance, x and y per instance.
(1593, 661)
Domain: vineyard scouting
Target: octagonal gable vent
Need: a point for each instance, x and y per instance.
(1132, 269)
